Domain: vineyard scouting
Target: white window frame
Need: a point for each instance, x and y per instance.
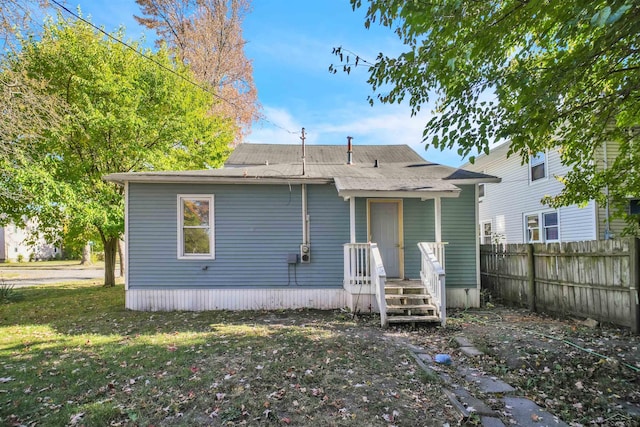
(482, 193)
(180, 220)
(482, 235)
(541, 226)
(534, 162)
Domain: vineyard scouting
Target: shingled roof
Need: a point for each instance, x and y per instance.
(376, 170)
(276, 154)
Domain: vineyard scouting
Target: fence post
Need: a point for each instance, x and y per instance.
(531, 275)
(634, 285)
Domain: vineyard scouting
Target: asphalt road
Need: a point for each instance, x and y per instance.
(32, 277)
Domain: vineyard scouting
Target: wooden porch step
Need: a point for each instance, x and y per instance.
(402, 285)
(407, 296)
(413, 319)
(410, 307)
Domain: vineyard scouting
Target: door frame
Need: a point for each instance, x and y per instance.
(399, 203)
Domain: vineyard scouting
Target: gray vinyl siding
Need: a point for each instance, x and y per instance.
(459, 231)
(328, 232)
(419, 226)
(361, 221)
(256, 226)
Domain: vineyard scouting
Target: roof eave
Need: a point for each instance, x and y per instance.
(487, 180)
(204, 179)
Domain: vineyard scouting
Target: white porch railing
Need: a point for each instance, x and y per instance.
(432, 276)
(356, 264)
(438, 250)
(378, 279)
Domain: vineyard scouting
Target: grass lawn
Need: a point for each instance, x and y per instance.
(72, 355)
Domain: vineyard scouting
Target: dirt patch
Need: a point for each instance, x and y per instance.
(584, 375)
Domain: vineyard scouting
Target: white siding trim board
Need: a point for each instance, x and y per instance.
(126, 235)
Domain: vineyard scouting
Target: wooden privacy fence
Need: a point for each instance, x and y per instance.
(596, 279)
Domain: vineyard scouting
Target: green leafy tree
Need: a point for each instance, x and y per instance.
(125, 113)
(554, 74)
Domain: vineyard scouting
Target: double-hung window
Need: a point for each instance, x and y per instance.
(538, 167)
(487, 233)
(542, 227)
(550, 225)
(195, 227)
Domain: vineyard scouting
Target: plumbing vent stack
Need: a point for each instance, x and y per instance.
(349, 151)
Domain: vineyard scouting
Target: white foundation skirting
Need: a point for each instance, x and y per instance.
(463, 298)
(270, 299)
(234, 299)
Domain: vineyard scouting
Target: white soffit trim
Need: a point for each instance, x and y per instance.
(424, 195)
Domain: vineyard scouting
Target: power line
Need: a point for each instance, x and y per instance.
(147, 57)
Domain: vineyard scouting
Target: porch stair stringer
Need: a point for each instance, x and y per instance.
(409, 302)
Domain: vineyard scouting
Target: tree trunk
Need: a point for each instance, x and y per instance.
(110, 249)
(121, 258)
(86, 255)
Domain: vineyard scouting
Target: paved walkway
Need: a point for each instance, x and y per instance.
(19, 277)
(493, 393)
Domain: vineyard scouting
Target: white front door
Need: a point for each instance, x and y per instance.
(384, 229)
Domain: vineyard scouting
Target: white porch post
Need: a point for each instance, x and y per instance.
(438, 218)
(352, 219)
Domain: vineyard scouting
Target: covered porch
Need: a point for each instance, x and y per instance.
(389, 271)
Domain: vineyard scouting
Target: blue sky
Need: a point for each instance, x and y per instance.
(290, 45)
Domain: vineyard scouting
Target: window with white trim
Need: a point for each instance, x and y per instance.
(481, 190)
(542, 227)
(486, 233)
(551, 226)
(195, 227)
(538, 167)
(533, 228)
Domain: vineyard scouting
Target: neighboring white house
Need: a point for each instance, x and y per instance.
(15, 245)
(511, 211)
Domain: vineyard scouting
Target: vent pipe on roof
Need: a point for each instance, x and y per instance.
(349, 151)
(376, 164)
(304, 161)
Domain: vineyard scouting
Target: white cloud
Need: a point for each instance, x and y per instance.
(369, 126)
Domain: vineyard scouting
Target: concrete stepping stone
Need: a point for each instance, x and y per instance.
(472, 403)
(526, 413)
(471, 351)
(485, 383)
(491, 422)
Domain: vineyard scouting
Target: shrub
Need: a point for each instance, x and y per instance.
(6, 292)
(20, 258)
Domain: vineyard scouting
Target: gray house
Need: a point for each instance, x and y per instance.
(282, 226)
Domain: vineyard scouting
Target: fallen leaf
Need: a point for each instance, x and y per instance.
(75, 419)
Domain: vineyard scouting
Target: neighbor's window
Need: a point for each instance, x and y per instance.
(543, 227)
(533, 228)
(551, 229)
(486, 233)
(538, 166)
(480, 191)
(195, 226)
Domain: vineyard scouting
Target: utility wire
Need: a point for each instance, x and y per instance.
(147, 57)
